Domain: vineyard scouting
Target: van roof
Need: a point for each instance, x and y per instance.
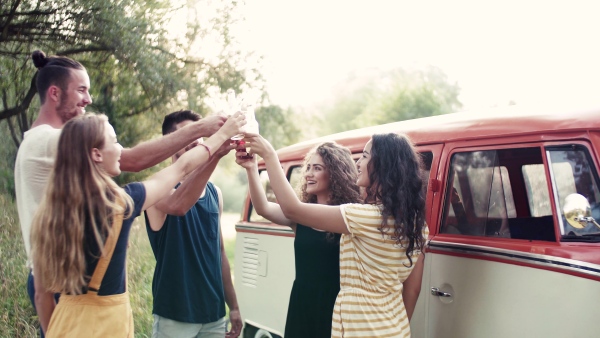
(461, 126)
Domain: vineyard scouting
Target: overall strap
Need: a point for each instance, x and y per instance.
(109, 247)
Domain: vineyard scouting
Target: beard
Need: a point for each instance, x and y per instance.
(65, 112)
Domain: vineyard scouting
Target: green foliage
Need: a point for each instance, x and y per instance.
(135, 65)
(381, 97)
(17, 317)
(227, 177)
(230, 250)
(140, 272)
(279, 126)
(8, 154)
(138, 70)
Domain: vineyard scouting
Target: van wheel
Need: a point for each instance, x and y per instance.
(254, 332)
(263, 334)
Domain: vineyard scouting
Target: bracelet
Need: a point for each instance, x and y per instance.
(207, 149)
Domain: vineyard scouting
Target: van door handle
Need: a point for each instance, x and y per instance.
(437, 292)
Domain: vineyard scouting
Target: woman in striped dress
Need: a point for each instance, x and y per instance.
(381, 259)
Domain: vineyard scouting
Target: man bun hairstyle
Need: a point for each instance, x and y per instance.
(39, 59)
(52, 71)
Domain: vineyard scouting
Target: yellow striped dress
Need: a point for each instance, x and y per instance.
(372, 270)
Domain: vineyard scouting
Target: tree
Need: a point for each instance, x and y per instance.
(135, 65)
(138, 70)
(278, 125)
(378, 97)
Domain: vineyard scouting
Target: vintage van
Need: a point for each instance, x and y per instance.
(513, 202)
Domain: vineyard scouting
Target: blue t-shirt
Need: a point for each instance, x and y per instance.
(188, 284)
(114, 281)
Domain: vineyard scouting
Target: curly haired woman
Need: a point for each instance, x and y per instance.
(381, 259)
(329, 178)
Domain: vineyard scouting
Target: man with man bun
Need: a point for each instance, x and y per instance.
(63, 86)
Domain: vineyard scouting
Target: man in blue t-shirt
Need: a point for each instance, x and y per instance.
(192, 280)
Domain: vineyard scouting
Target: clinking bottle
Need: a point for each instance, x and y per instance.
(248, 110)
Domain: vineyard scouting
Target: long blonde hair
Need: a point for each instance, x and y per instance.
(80, 201)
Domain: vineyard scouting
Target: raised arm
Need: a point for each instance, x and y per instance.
(161, 183)
(152, 152)
(180, 200)
(269, 210)
(318, 216)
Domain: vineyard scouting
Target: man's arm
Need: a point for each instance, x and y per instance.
(230, 297)
(179, 202)
(150, 153)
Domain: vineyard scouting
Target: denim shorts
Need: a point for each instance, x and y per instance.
(167, 328)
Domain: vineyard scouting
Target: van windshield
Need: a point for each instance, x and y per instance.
(572, 174)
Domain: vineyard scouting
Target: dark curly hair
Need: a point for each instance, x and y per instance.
(395, 174)
(342, 175)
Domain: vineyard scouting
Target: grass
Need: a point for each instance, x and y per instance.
(17, 317)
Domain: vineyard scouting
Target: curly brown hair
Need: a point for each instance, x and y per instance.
(395, 171)
(342, 175)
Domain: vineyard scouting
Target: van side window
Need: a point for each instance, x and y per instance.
(572, 173)
(294, 178)
(498, 193)
(537, 187)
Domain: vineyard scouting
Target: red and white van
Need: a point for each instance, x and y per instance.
(513, 197)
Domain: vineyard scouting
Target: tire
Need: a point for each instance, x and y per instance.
(263, 334)
(251, 331)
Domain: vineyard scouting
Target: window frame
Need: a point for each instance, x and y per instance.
(446, 170)
(576, 145)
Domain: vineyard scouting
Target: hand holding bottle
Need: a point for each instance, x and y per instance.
(247, 108)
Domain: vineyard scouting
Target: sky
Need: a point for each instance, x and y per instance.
(525, 51)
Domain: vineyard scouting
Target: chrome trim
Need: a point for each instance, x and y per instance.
(519, 256)
(557, 205)
(265, 228)
(438, 293)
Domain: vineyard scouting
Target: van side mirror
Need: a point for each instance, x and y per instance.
(577, 211)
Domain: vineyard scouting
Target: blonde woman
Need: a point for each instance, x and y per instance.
(79, 243)
(381, 260)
